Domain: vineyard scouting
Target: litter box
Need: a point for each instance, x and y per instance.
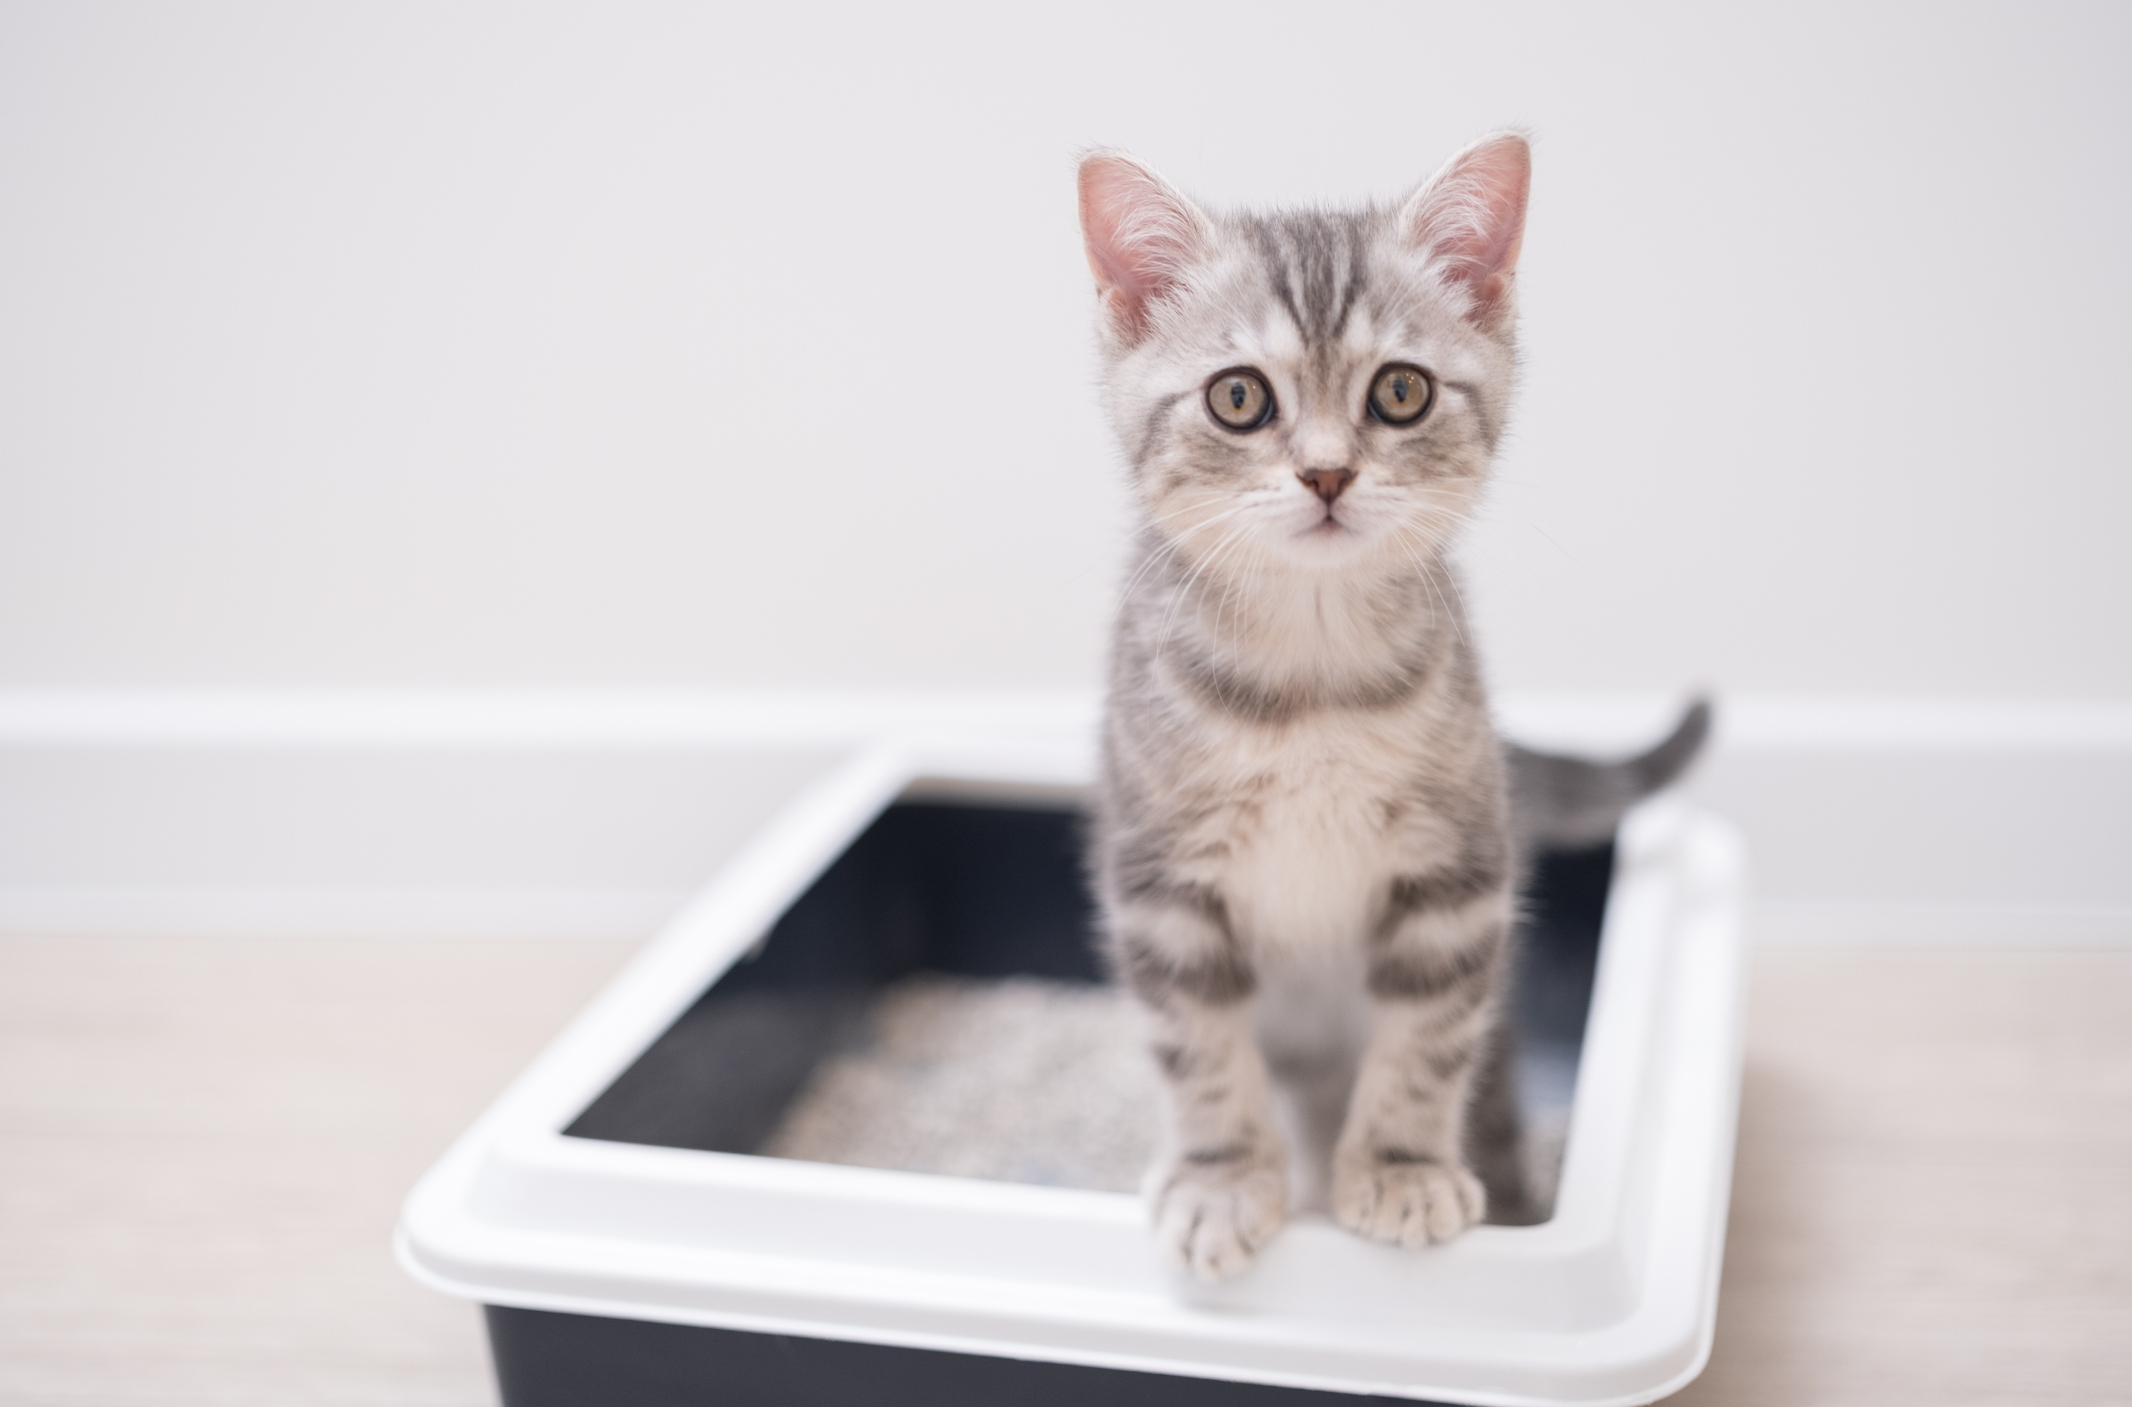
(692, 1196)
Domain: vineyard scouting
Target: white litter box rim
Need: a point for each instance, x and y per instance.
(1613, 1301)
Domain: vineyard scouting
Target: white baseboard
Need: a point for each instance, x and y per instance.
(584, 814)
(550, 914)
(1779, 923)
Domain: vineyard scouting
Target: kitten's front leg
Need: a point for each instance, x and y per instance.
(1435, 964)
(1220, 1190)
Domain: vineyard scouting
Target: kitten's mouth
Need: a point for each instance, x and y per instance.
(1327, 526)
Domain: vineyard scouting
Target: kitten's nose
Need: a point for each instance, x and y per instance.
(1328, 484)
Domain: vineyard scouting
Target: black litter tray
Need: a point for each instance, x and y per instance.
(966, 890)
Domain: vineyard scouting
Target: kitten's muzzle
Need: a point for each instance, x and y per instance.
(1327, 484)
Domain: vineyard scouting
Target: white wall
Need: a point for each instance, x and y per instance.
(631, 345)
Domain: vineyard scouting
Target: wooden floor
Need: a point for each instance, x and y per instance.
(203, 1146)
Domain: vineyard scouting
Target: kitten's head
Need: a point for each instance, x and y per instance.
(1309, 391)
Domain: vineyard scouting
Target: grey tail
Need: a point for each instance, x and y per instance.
(1569, 803)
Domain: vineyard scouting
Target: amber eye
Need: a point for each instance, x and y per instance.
(1401, 395)
(1239, 399)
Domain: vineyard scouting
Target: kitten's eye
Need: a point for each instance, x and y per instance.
(1240, 400)
(1401, 395)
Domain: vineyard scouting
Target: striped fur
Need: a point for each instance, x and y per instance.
(1302, 851)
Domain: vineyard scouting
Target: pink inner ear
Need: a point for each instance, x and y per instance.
(1140, 235)
(1471, 217)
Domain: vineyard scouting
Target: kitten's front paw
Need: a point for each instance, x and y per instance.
(1211, 1218)
(1405, 1203)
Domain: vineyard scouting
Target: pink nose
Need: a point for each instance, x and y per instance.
(1328, 484)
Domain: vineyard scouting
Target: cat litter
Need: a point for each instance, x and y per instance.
(1018, 1080)
(861, 1125)
(1027, 1080)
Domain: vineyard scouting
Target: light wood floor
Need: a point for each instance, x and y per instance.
(203, 1146)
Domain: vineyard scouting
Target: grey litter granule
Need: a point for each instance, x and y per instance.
(1021, 1080)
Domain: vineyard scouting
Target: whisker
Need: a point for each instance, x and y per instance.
(1221, 550)
(1429, 570)
(1172, 546)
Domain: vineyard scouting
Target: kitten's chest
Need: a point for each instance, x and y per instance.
(1302, 834)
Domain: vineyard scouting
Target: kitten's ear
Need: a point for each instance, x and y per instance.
(1141, 235)
(1470, 218)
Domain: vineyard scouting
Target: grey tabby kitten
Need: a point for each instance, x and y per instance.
(1302, 850)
